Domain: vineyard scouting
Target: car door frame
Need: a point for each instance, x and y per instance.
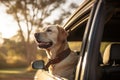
(87, 65)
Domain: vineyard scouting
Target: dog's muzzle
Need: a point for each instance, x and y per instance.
(42, 43)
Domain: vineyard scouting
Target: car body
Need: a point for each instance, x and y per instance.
(95, 24)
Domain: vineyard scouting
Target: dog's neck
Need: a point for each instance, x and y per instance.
(51, 53)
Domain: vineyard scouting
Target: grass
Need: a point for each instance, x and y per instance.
(16, 74)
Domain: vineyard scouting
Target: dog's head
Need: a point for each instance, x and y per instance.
(50, 36)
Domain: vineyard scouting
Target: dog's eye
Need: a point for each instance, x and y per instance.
(49, 30)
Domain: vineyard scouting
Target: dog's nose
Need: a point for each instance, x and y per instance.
(37, 35)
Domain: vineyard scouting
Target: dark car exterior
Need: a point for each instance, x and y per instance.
(96, 24)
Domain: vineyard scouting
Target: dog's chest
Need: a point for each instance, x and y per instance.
(65, 71)
(65, 68)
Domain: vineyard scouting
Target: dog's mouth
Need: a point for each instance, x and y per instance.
(43, 44)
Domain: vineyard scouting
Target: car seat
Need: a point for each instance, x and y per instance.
(111, 62)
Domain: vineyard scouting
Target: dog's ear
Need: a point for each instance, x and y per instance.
(62, 34)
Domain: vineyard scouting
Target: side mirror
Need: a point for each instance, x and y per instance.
(38, 64)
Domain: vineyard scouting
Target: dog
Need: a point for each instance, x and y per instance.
(62, 61)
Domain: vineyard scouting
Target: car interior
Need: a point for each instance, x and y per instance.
(111, 62)
(111, 53)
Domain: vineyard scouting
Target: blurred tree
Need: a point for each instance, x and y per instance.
(65, 13)
(30, 15)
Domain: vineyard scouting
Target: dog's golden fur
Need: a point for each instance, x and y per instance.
(53, 39)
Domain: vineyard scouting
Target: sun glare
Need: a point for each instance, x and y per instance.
(7, 24)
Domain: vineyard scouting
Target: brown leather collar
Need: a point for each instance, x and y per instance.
(58, 58)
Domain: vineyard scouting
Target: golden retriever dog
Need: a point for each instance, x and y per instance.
(62, 61)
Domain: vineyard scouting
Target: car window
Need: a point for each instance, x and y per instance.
(76, 26)
(75, 45)
(111, 32)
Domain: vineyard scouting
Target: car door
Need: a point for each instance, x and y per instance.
(87, 25)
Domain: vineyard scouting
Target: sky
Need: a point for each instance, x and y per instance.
(8, 26)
